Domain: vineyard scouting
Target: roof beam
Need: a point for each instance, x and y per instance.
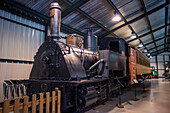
(168, 38)
(67, 29)
(156, 52)
(154, 3)
(166, 20)
(89, 17)
(141, 36)
(158, 46)
(124, 19)
(134, 20)
(156, 40)
(73, 7)
(147, 20)
(18, 9)
(23, 11)
(159, 52)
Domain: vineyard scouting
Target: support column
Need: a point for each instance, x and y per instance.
(46, 31)
(164, 62)
(156, 58)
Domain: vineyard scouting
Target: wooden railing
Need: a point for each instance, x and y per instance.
(17, 106)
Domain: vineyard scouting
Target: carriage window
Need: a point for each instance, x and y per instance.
(114, 46)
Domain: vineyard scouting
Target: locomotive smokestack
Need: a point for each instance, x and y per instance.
(91, 40)
(55, 14)
(89, 36)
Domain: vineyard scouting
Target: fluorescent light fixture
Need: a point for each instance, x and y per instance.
(133, 36)
(149, 54)
(140, 45)
(145, 50)
(116, 17)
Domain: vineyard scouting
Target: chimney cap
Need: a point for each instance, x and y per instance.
(55, 5)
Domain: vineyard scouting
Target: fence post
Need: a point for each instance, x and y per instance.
(58, 99)
(16, 104)
(53, 101)
(34, 103)
(6, 106)
(47, 102)
(56, 106)
(26, 99)
(41, 103)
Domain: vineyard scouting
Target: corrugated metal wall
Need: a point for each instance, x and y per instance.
(160, 60)
(17, 42)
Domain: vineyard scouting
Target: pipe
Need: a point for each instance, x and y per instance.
(55, 14)
(96, 64)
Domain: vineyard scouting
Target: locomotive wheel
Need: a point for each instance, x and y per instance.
(81, 98)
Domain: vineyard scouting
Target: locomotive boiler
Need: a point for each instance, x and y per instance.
(85, 76)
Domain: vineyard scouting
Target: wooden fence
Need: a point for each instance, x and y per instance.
(17, 106)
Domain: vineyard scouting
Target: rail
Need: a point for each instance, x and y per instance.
(34, 105)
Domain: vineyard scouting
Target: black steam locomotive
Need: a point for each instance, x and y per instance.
(85, 76)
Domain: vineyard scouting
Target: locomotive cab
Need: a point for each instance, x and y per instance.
(113, 50)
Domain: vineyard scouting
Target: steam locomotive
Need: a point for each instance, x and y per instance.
(85, 76)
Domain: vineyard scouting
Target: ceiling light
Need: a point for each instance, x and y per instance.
(116, 17)
(140, 45)
(149, 54)
(133, 36)
(145, 50)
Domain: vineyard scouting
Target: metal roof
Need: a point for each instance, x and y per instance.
(148, 19)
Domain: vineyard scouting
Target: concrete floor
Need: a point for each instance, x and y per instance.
(156, 99)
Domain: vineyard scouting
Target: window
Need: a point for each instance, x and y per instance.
(114, 46)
